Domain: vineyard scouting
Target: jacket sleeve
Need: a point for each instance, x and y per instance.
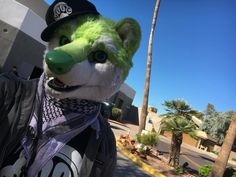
(7, 93)
(109, 166)
(16, 103)
(104, 162)
(7, 96)
(2, 92)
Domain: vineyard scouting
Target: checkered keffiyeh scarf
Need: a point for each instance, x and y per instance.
(54, 108)
(61, 121)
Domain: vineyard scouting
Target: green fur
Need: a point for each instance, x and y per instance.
(89, 28)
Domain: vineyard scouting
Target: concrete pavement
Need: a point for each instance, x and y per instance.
(126, 168)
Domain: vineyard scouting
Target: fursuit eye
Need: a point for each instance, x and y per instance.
(98, 56)
(64, 40)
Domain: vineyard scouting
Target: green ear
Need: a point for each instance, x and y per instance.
(130, 34)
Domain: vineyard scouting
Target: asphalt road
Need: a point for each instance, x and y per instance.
(193, 157)
(126, 168)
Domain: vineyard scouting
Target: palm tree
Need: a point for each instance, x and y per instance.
(148, 70)
(223, 157)
(178, 121)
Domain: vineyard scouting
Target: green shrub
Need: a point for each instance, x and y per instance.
(234, 174)
(204, 171)
(179, 171)
(116, 113)
(148, 139)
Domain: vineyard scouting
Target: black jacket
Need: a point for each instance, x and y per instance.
(17, 102)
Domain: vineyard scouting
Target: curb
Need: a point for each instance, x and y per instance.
(138, 162)
(119, 123)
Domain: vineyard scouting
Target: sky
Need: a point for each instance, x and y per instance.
(194, 50)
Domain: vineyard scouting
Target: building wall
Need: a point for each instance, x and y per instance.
(129, 91)
(7, 37)
(37, 6)
(26, 53)
(20, 42)
(186, 138)
(33, 25)
(22, 18)
(123, 102)
(132, 115)
(123, 99)
(12, 13)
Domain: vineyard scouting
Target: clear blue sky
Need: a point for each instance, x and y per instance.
(194, 50)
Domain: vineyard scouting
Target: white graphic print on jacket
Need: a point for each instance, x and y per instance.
(66, 163)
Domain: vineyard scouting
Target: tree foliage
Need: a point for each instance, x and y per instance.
(223, 156)
(178, 124)
(216, 123)
(210, 110)
(179, 107)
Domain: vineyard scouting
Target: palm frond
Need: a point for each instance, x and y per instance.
(177, 124)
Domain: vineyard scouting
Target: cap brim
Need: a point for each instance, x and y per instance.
(47, 32)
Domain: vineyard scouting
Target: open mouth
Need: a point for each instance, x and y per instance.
(57, 85)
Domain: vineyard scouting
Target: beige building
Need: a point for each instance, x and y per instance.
(153, 120)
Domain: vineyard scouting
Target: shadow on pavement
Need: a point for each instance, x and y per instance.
(191, 171)
(117, 127)
(191, 155)
(162, 152)
(208, 159)
(126, 168)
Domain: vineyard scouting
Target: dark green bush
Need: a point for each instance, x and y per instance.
(179, 171)
(234, 174)
(116, 113)
(204, 171)
(229, 172)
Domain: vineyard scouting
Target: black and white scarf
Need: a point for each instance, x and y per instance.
(61, 121)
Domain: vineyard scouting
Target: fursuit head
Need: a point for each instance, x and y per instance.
(89, 57)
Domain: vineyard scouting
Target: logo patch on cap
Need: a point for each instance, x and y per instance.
(61, 10)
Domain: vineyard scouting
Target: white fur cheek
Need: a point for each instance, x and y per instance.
(102, 75)
(102, 92)
(79, 75)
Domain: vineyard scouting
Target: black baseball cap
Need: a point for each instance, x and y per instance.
(62, 10)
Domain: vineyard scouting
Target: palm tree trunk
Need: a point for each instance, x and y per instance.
(223, 157)
(176, 142)
(148, 71)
